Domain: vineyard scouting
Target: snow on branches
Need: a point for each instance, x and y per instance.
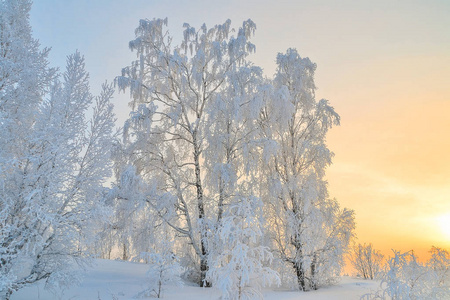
(208, 133)
(53, 160)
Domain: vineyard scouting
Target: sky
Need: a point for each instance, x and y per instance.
(384, 65)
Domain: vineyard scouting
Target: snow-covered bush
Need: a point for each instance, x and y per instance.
(164, 269)
(367, 261)
(164, 265)
(407, 278)
(238, 263)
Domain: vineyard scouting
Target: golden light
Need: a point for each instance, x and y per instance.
(444, 223)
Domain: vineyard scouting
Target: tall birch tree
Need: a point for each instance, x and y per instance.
(175, 90)
(310, 232)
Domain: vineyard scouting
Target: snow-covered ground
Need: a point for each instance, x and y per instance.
(117, 280)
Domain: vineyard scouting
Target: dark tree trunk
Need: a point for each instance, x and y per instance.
(203, 270)
(313, 273)
(201, 216)
(300, 276)
(124, 252)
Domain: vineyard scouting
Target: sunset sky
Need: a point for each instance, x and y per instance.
(384, 66)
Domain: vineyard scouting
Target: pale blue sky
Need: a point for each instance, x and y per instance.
(384, 65)
(331, 33)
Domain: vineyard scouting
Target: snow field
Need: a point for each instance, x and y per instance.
(118, 280)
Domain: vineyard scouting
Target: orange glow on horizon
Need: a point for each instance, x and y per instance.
(392, 162)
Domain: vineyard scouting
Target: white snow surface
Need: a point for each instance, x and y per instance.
(118, 280)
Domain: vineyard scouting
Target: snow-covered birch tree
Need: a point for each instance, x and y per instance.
(176, 90)
(310, 231)
(53, 161)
